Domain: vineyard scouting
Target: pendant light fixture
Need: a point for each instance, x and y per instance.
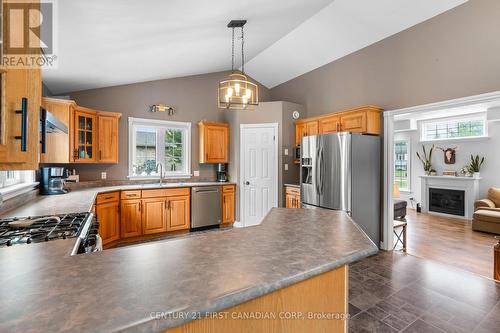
(237, 92)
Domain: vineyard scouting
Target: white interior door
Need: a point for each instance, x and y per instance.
(258, 171)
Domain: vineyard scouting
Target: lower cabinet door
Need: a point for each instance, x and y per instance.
(108, 217)
(131, 220)
(178, 213)
(290, 201)
(154, 215)
(228, 207)
(297, 201)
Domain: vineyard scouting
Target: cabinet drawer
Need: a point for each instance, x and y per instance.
(165, 192)
(107, 197)
(228, 188)
(131, 194)
(292, 190)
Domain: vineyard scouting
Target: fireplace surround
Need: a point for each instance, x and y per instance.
(447, 202)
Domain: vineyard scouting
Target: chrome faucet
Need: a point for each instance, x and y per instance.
(161, 172)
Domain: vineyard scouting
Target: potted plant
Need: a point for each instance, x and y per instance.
(426, 160)
(475, 165)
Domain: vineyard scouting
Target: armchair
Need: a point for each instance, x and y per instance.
(487, 213)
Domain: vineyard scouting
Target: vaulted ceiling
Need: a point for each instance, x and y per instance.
(107, 43)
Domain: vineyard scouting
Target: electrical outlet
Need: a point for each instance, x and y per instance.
(286, 151)
(286, 167)
(103, 175)
(196, 173)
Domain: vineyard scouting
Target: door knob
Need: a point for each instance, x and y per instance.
(247, 183)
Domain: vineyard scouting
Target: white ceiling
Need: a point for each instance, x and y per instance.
(341, 28)
(112, 42)
(107, 43)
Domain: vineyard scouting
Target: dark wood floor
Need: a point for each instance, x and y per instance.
(397, 292)
(450, 241)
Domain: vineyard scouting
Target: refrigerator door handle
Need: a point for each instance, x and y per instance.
(318, 169)
(321, 163)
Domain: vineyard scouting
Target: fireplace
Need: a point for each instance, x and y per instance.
(447, 201)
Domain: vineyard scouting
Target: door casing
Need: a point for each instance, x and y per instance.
(243, 127)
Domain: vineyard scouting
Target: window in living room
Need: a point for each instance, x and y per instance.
(402, 165)
(454, 128)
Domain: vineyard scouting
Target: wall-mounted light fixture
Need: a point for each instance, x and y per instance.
(162, 108)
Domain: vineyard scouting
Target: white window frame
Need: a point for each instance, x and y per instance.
(477, 116)
(133, 123)
(24, 182)
(408, 145)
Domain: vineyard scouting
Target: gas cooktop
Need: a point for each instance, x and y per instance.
(35, 229)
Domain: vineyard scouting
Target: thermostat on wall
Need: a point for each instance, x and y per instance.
(295, 114)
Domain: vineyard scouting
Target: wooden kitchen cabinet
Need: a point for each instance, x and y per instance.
(131, 218)
(154, 215)
(303, 129)
(19, 132)
(353, 122)
(365, 119)
(84, 136)
(16, 85)
(57, 144)
(214, 142)
(228, 204)
(108, 216)
(108, 138)
(178, 213)
(329, 124)
(92, 135)
(292, 197)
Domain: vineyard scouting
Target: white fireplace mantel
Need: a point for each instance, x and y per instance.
(469, 185)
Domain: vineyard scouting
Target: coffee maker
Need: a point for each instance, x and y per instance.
(222, 172)
(52, 180)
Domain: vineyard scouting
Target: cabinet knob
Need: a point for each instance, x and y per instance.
(247, 183)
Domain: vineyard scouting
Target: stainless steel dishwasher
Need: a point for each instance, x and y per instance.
(205, 206)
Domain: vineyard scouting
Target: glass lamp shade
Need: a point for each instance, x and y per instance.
(237, 92)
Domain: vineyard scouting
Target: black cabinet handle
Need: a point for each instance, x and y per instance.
(24, 123)
(43, 121)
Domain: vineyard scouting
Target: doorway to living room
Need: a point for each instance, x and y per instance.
(440, 181)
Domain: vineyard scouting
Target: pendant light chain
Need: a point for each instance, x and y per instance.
(232, 54)
(242, 51)
(236, 91)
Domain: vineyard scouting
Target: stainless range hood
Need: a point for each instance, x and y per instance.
(52, 124)
(49, 124)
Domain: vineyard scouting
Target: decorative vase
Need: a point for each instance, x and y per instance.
(476, 175)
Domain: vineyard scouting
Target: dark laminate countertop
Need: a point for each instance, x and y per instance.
(44, 290)
(81, 200)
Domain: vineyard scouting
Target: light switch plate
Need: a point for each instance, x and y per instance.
(103, 175)
(286, 167)
(286, 151)
(196, 173)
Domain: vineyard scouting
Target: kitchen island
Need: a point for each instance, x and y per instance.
(287, 274)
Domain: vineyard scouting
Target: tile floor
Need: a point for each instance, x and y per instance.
(396, 292)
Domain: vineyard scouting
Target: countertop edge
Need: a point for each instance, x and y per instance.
(242, 296)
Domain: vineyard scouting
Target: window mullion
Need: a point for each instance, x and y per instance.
(160, 147)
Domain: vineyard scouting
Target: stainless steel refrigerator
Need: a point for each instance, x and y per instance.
(341, 171)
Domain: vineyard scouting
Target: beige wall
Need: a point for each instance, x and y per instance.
(453, 55)
(194, 98)
(267, 112)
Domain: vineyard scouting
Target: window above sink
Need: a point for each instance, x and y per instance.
(153, 142)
